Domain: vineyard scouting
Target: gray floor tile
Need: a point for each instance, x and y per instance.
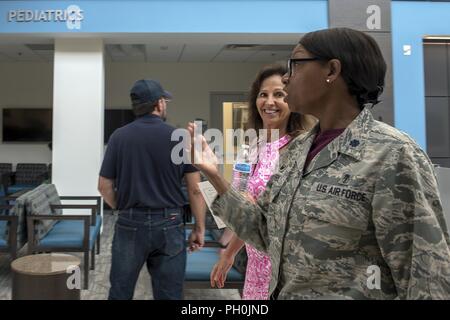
(99, 278)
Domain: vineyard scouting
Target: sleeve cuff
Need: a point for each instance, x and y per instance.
(232, 198)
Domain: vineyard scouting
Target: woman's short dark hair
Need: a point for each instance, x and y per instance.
(363, 66)
(294, 126)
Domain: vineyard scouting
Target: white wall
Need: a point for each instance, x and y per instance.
(30, 84)
(78, 113)
(190, 84)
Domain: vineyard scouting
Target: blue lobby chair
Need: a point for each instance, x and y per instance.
(198, 269)
(5, 177)
(13, 233)
(200, 263)
(8, 243)
(27, 176)
(51, 231)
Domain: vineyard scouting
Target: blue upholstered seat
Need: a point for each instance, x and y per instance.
(200, 263)
(18, 187)
(2, 201)
(2, 228)
(28, 176)
(70, 233)
(208, 235)
(3, 241)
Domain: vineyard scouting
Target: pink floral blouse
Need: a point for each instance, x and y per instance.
(257, 277)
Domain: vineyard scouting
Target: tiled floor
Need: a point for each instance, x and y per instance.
(99, 278)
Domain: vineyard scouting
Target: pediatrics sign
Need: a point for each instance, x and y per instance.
(72, 16)
(181, 16)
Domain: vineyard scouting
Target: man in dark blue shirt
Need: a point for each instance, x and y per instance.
(139, 179)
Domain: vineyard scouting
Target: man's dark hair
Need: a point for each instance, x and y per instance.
(143, 109)
(294, 126)
(363, 65)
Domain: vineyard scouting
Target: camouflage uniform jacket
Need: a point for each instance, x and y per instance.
(369, 198)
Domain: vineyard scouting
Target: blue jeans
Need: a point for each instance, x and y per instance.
(156, 239)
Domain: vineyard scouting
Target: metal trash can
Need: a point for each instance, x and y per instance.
(51, 276)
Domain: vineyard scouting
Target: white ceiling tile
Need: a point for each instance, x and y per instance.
(4, 58)
(269, 56)
(200, 52)
(47, 56)
(126, 52)
(163, 52)
(176, 47)
(19, 52)
(233, 55)
(127, 59)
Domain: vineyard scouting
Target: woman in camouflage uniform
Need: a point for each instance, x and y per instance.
(354, 212)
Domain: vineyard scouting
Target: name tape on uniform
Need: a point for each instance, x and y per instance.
(341, 192)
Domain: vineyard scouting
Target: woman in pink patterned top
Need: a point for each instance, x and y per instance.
(268, 110)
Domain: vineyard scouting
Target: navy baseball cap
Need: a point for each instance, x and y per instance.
(147, 90)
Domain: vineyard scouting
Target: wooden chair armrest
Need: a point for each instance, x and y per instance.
(78, 206)
(214, 244)
(80, 197)
(33, 217)
(9, 218)
(211, 244)
(208, 226)
(14, 220)
(10, 197)
(74, 206)
(97, 198)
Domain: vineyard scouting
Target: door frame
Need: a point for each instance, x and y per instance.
(216, 100)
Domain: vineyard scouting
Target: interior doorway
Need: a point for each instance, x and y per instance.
(235, 116)
(222, 105)
(437, 100)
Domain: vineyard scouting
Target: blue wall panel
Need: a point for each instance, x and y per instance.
(411, 21)
(245, 16)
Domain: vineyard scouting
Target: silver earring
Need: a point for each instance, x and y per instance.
(328, 80)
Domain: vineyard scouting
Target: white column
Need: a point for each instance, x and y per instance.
(78, 109)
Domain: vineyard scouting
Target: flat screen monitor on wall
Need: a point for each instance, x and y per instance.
(27, 125)
(115, 119)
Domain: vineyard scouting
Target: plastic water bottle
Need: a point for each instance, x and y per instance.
(242, 169)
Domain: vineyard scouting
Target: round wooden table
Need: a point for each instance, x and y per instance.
(53, 276)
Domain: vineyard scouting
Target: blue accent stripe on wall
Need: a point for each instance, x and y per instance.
(247, 16)
(411, 21)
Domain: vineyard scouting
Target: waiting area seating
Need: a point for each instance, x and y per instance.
(5, 177)
(36, 218)
(5, 168)
(27, 176)
(200, 263)
(8, 240)
(13, 232)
